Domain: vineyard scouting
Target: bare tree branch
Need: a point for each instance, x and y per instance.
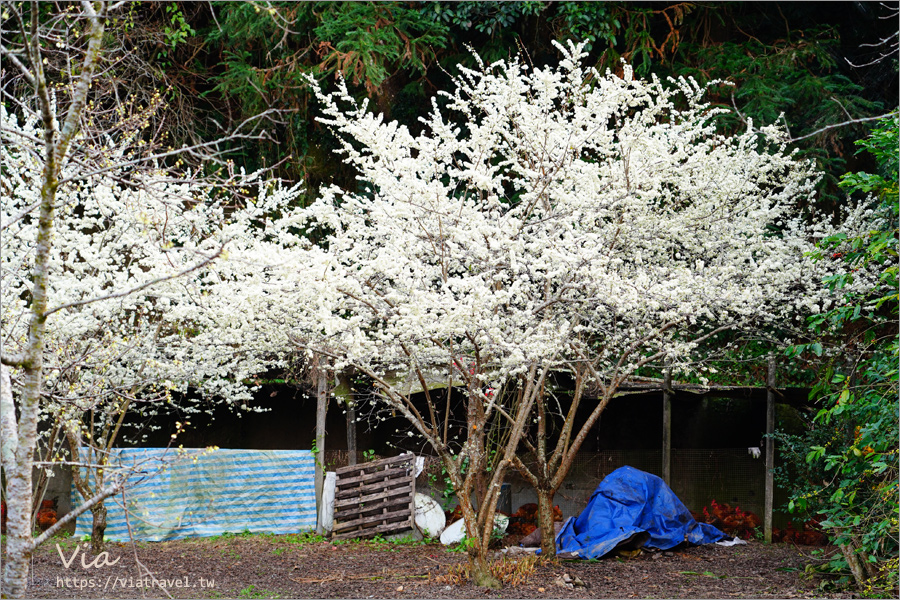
(20, 215)
(792, 139)
(837, 125)
(12, 361)
(18, 64)
(85, 506)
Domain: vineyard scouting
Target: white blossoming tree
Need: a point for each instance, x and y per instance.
(544, 218)
(109, 298)
(113, 359)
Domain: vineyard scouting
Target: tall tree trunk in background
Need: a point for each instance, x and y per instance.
(343, 393)
(19, 541)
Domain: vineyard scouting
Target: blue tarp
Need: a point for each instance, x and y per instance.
(630, 505)
(175, 494)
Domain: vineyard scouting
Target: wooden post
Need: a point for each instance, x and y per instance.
(770, 449)
(667, 430)
(321, 409)
(351, 432)
(344, 394)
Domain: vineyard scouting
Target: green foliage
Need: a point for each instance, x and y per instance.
(439, 480)
(259, 66)
(592, 22)
(496, 29)
(318, 455)
(175, 32)
(847, 464)
(467, 543)
(251, 591)
(301, 539)
(703, 574)
(231, 535)
(490, 18)
(229, 61)
(370, 41)
(462, 547)
(178, 30)
(407, 540)
(882, 144)
(264, 53)
(794, 82)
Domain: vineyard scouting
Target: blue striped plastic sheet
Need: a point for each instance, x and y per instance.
(174, 494)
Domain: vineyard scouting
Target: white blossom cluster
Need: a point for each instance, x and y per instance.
(550, 215)
(542, 216)
(124, 230)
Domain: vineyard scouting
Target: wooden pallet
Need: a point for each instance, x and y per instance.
(375, 498)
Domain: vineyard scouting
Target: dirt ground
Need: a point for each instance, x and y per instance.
(300, 566)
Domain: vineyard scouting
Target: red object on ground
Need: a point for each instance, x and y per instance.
(46, 516)
(740, 523)
(524, 520)
(733, 521)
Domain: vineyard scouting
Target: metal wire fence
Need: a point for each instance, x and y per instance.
(699, 476)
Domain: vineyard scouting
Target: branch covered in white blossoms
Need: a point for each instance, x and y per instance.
(132, 277)
(147, 276)
(545, 216)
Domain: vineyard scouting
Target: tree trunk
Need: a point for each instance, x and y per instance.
(98, 530)
(20, 542)
(351, 432)
(476, 542)
(545, 521)
(481, 570)
(343, 393)
(854, 563)
(18, 532)
(871, 571)
(19, 487)
(477, 550)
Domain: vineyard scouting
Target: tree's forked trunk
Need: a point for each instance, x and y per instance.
(478, 550)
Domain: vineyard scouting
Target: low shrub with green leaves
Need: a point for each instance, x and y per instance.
(847, 463)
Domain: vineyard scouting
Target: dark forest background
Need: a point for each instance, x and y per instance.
(809, 65)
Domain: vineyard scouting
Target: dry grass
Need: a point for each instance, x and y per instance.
(509, 571)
